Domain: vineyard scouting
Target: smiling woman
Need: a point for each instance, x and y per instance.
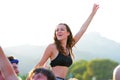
(60, 51)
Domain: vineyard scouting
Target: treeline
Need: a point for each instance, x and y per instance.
(97, 69)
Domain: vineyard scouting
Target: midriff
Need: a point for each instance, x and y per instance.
(60, 71)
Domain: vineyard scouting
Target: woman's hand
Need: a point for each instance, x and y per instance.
(95, 8)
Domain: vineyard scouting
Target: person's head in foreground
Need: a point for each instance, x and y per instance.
(42, 74)
(116, 73)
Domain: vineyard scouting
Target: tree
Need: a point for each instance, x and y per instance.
(77, 69)
(87, 76)
(102, 69)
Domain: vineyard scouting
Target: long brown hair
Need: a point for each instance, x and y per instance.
(70, 41)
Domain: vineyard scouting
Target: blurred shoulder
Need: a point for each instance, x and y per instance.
(52, 45)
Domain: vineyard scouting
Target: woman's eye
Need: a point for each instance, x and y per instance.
(62, 30)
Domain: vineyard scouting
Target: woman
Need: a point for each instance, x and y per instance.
(6, 70)
(60, 52)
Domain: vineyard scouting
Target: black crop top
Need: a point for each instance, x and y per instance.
(61, 60)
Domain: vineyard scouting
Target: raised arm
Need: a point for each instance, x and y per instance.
(86, 23)
(6, 68)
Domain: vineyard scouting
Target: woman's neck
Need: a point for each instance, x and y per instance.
(64, 43)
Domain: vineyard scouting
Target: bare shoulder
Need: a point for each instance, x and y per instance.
(51, 46)
(53, 50)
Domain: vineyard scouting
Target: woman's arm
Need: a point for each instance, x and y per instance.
(42, 63)
(47, 54)
(6, 68)
(86, 23)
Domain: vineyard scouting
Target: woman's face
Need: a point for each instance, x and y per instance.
(61, 32)
(39, 76)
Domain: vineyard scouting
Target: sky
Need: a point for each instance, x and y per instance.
(33, 21)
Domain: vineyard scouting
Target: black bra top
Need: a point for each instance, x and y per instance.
(61, 60)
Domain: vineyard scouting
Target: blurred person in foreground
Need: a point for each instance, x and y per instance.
(8, 73)
(116, 73)
(42, 74)
(6, 70)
